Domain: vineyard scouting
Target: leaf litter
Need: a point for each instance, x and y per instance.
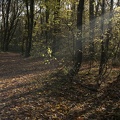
(31, 90)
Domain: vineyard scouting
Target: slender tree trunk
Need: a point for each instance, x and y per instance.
(47, 20)
(9, 21)
(30, 18)
(91, 32)
(31, 24)
(6, 25)
(102, 60)
(27, 54)
(79, 52)
(105, 42)
(56, 28)
(109, 31)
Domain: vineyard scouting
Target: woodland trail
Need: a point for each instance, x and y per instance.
(13, 65)
(18, 76)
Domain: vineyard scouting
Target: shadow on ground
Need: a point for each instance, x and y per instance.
(14, 65)
(55, 97)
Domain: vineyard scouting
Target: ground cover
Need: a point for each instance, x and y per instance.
(33, 90)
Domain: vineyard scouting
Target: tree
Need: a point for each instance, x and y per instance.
(92, 26)
(105, 40)
(79, 51)
(10, 14)
(47, 21)
(30, 21)
(102, 61)
(56, 26)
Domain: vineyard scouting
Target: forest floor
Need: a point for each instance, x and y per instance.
(33, 90)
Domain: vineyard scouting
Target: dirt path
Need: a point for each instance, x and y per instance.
(13, 65)
(20, 79)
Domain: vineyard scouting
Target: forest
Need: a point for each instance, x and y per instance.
(59, 59)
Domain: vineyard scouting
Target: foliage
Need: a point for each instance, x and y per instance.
(73, 68)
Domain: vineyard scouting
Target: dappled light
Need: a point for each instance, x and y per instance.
(59, 59)
(51, 95)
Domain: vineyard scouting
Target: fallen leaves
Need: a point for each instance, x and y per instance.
(31, 92)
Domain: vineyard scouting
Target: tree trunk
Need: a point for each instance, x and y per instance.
(102, 60)
(91, 32)
(10, 14)
(105, 45)
(55, 43)
(30, 18)
(79, 52)
(47, 20)
(6, 26)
